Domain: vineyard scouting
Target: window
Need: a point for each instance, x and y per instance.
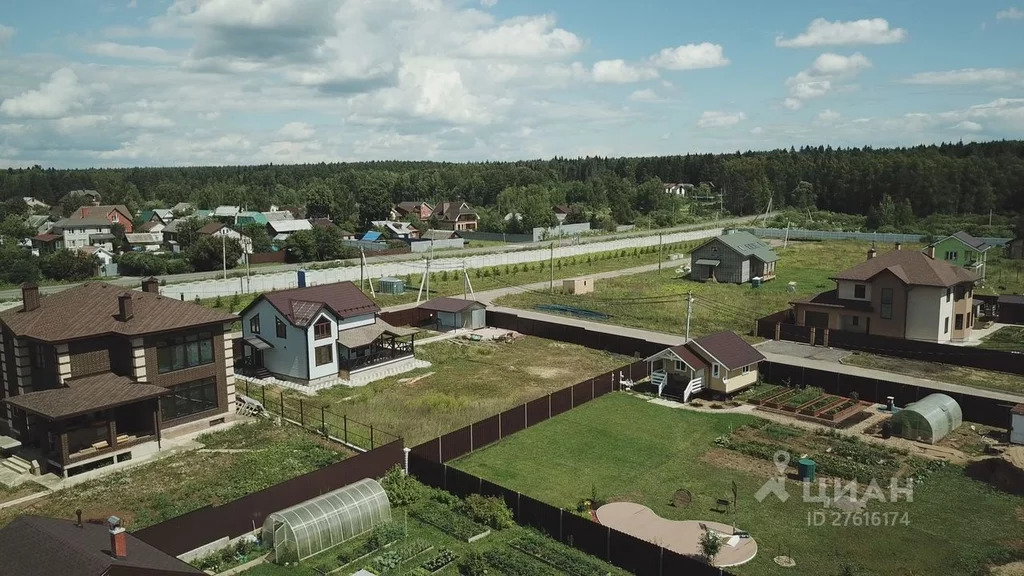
(970, 320)
(182, 352)
(714, 370)
(324, 354)
(951, 255)
(680, 366)
(860, 291)
(189, 398)
(886, 310)
(746, 369)
(282, 329)
(856, 320)
(958, 324)
(254, 324)
(38, 356)
(945, 325)
(322, 329)
(949, 293)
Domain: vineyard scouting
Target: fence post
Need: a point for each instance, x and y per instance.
(371, 436)
(323, 421)
(282, 404)
(344, 420)
(263, 392)
(302, 414)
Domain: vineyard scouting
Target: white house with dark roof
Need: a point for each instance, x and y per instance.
(721, 362)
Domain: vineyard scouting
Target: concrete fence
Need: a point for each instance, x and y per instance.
(800, 234)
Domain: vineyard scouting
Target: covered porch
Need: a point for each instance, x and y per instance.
(90, 422)
(372, 345)
(678, 371)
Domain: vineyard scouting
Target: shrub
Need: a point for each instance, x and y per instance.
(218, 303)
(447, 520)
(710, 545)
(473, 564)
(385, 534)
(489, 511)
(401, 489)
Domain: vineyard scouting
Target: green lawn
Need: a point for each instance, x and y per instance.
(1003, 276)
(1009, 338)
(658, 301)
(466, 382)
(627, 449)
(951, 373)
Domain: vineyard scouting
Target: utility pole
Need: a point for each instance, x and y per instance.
(224, 253)
(689, 306)
(362, 262)
(465, 281)
(659, 254)
(551, 270)
(248, 279)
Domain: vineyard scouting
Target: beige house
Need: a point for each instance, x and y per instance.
(900, 294)
(722, 362)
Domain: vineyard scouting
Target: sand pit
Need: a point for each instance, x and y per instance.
(678, 536)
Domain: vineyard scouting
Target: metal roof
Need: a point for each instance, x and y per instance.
(746, 244)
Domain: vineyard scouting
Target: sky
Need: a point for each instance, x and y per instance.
(88, 83)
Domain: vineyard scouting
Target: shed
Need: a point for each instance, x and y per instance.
(578, 286)
(318, 524)
(929, 419)
(734, 257)
(455, 313)
(390, 285)
(1017, 424)
(1011, 309)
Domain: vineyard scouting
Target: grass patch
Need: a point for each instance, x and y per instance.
(647, 452)
(1008, 339)
(951, 373)
(466, 382)
(159, 490)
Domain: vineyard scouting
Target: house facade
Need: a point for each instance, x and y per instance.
(417, 210)
(899, 294)
(734, 257)
(723, 363)
(114, 214)
(961, 249)
(81, 232)
(319, 332)
(678, 189)
(458, 216)
(218, 230)
(96, 372)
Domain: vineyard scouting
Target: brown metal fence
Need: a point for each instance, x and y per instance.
(407, 317)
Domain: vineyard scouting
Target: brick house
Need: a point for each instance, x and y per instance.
(96, 372)
(418, 210)
(458, 216)
(115, 214)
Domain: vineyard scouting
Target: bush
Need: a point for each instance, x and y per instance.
(385, 534)
(489, 511)
(447, 520)
(473, 564)
(401, 489)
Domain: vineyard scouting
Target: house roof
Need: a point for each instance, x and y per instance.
(448, 304)
(322, 223)
(90, 222)
(182, 207)
(728, 349)
(251, 217)
(84, 395)
(400, 228)
(451, 211)
(967, 239)
(684, 354)
(102, 210)
(144, 238)
(1018, 409)
(408, 207)
(47, 237)
(437, 234)
(285, 226)
(226, 211)
(363, 335)
(37, 220)
(832, 300)
(371, 236)
(91, 309)
(172, 226)
(101, 237)
(1010, 299)
(301, 305)
(746, 244)
(276, 215)
(150, 225)
(38, 546)
(90, 193)
(212, 228)
(911, 267)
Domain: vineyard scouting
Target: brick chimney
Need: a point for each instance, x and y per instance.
(931, 252)
(151, 285)
(871, 253)
(126, 309)
(29, 296)
(118, 538)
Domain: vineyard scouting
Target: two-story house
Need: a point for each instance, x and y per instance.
(961, 249)
(321, 332)
(900, 294)
(735, 257)
(115, 214)
(458, 216)
(96, 372)
(81, 232)
(417, 210)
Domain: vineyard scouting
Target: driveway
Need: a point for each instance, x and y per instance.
(803, 350)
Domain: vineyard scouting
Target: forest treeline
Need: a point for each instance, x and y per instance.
(938, 179)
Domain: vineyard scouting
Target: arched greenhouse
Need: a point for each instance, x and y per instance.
(929, 419)
(323, 522)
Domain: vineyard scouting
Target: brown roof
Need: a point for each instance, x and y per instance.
(448, 304)
(450, 211)
(91, 310)
(38, 546)
(84, 395)
(1010, 299)
(47, 237)
(911, 267)
(102, 210)
(727, 348)
(212, 228)
(363, 335)
(301, 305)
(832, 299)
(691, 359)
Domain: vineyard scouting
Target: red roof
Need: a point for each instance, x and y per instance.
(47, 237)
(301, 305)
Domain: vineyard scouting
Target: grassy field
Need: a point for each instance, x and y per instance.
(627, 449)
(658, 301)
(1010, 338)
(466, 382)
(951, 373)
(156, 491)
(1003, 276)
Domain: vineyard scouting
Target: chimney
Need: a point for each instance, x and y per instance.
(29, 296)
(78, 513)
(899, 246)
(931, 252)
(151, 285)
(871, 253)
(118, 538)
(125, 307)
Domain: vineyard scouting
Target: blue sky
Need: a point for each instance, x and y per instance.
(192, 82)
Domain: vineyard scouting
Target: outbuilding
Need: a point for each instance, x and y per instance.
(455, 313)
(578, 286)
(1011, 309)
(1017, 424)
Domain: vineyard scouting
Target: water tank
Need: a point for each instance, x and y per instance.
(805, 469)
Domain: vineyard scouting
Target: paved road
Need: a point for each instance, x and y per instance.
(134, 282)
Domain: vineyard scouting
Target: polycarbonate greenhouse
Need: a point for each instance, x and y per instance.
(315, 525)
(929, 419)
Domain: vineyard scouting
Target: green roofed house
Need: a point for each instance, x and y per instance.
(249, 217)
(735, 257)
(961, 249)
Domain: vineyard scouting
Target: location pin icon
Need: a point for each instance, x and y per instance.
(781, 459)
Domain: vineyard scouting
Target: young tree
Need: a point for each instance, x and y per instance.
(14, 228)
(710, 545)
(209, 253)
(259, 236)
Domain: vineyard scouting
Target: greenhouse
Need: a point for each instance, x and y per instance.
(323, 522)
(929, 419)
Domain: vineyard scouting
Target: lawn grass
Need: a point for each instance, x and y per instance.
(1008, 339)
(658, 301)
(950, 373)
(466, 382)
(156, 491)
(628, 449)
(1002, 275)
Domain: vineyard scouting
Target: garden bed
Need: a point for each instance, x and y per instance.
(511, 562)
(802, 398)
(447, 520)
(779, 400)
(842, 411)
(821, 405)
(439, 562)
(557, 555)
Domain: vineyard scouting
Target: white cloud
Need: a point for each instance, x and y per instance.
(822, 32)
(828, 116)
(296, 131)
(793, 103)
(621, 72)
(691, 57)
(824, 75)
(968, 126)
(133, 3)
(131, 52)
(53, 99)
(488, 3)
(524, 37)
(757, 130)
(966, 76)
(645, 95)
(714, 119)
(6, 33)
(1013, 13)
(77, 123)
(835, 64)
(148, 120)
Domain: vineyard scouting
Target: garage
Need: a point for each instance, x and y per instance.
(456, 313)
(816, 319)
(1011, 309)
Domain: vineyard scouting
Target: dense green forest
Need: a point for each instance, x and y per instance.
(886, 184)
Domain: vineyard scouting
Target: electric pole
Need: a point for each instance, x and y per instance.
(551, 266)
(689, 306)
(224, 253)
(659, 254)
(362, 261)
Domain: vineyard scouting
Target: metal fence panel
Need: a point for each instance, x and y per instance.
(513, 420)
(633, 554)
(486, 432)
(460, 483)
(541, 516)
(537, 410)
(561, 401)
(457, 443)
(585, 534)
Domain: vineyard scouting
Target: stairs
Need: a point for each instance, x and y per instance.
(16, 464)
(261, 373)
(695, 386)
(660, 379)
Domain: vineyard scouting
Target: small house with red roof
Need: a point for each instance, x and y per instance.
(721, 362)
